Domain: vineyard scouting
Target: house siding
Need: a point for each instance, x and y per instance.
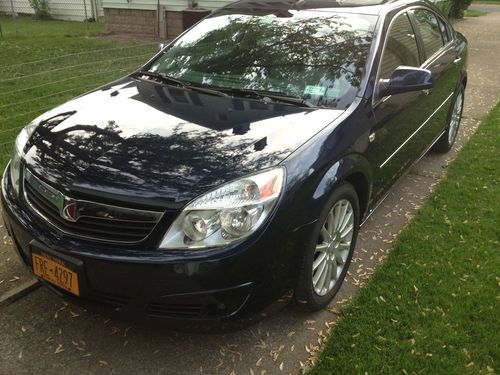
(212, 4)
(72, 10)
(133, 4)
(170, 5)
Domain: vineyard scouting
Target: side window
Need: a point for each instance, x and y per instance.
(430, 31)
(400, 47)
(445, 31)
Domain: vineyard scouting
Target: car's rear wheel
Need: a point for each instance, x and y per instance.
(445, 143)
(329, 251)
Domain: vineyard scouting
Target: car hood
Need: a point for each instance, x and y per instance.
(148, 142)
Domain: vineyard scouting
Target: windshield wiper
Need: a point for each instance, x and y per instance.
(162, 77)
(290, 99)
(274, 95)
(158, 76)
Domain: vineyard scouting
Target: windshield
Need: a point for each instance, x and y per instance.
(312, 55)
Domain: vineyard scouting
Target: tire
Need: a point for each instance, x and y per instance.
(311, 295)
(445, 143)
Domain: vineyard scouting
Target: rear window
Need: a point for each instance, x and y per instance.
(445, 31)
(430, 31)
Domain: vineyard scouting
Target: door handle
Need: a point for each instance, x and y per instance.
(457, 60)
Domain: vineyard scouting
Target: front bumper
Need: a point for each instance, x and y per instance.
(227, 285)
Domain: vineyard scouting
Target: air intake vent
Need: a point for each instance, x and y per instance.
(175, 310)
(108, 299)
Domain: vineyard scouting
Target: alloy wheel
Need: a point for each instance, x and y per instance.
(455, 118)
(333, 246)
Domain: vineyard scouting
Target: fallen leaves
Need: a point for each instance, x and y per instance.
(276, 352)
(228, 351)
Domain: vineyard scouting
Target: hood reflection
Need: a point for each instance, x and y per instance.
(164, 144)
(213, 112)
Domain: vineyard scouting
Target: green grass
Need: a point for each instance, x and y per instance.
(49, 62)
(434, 306)
(487, 2)
(474, 13)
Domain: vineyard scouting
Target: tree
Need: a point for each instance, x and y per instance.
(458, 8)
(41, 8)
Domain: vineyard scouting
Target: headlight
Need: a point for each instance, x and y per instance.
(227, 214)
(18, 153)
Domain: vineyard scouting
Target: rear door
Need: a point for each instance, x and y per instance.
(440, 58)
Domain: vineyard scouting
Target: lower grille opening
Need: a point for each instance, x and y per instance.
(203, 305)
(175, 310)
(110, 300)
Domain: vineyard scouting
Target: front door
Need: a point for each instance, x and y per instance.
(397, 117)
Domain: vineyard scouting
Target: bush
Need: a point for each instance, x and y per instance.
(41, 7)
(458, 8)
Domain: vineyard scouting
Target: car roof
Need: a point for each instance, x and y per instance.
(374, 7)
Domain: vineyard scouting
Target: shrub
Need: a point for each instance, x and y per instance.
(41, 8)
(458, 8)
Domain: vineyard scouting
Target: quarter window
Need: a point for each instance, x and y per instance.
(400, 47)
(429, 28)
(445, 31)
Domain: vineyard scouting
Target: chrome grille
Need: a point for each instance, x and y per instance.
(89, 220)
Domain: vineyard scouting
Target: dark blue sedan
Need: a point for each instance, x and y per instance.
(238, 164)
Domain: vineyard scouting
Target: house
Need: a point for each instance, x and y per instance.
(163, 18)
(70, 10)
(168, 18)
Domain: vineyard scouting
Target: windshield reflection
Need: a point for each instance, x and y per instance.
(308, 54)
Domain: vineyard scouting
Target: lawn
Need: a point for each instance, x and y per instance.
(497, 2)
(433, 307)
(474, 13)
(49, 62)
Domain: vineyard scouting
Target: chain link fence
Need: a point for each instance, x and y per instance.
(44, 63)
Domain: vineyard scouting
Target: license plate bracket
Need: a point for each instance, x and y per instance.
(59, 270)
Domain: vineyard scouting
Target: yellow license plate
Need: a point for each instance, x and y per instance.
(54, 271)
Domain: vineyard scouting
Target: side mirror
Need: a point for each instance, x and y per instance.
(406, 79)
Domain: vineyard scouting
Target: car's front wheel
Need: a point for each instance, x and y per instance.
(329, 251)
